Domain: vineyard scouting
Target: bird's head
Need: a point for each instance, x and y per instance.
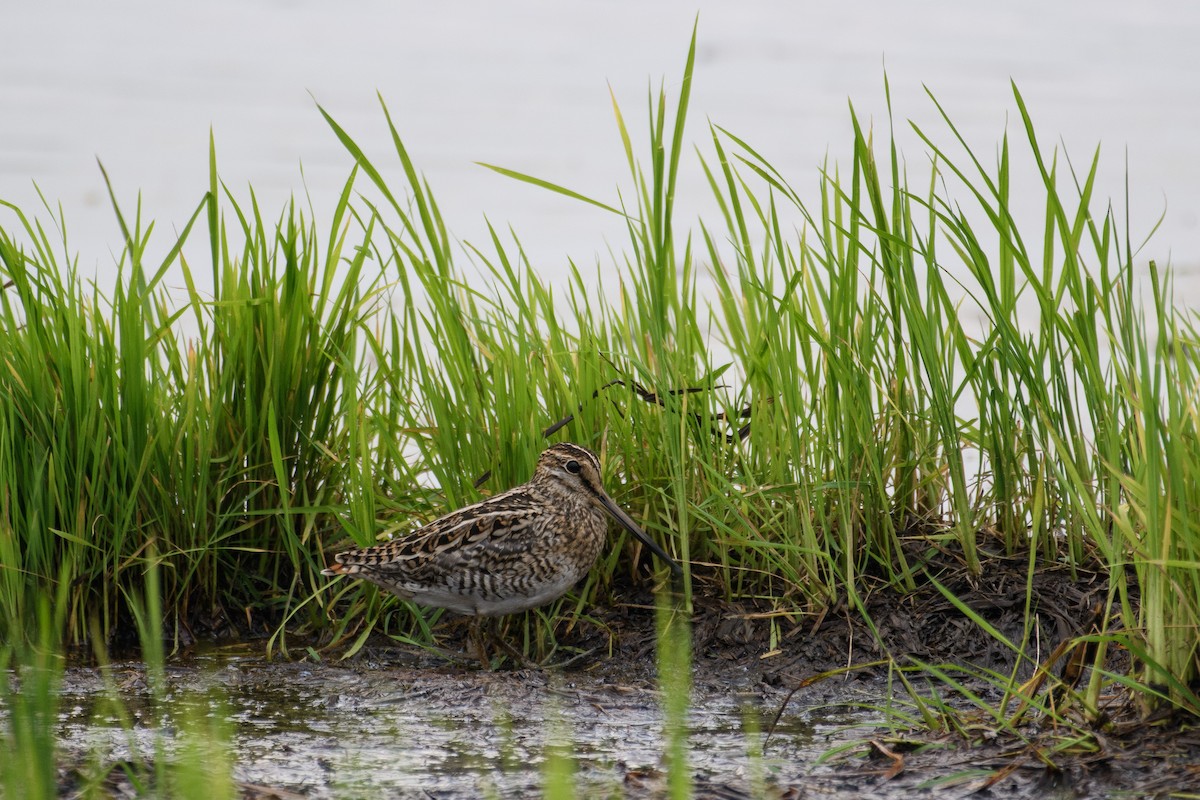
(577, 469)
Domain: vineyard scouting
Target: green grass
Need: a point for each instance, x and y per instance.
(199, 764)
(345, 379)
(30, 676)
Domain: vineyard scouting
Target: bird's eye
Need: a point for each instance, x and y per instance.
(573, 467)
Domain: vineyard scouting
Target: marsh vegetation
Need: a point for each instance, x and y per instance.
(837, 395)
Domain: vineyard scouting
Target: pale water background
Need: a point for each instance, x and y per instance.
(525, 85)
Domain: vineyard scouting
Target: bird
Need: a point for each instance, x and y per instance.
(509, 553)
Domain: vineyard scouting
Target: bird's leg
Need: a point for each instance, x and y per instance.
(477, 644)
(518, 658)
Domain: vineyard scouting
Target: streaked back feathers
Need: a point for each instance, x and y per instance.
(511, 552)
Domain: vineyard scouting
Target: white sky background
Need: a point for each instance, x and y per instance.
(525, 85)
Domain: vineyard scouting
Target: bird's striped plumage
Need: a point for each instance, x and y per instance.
(517, 550)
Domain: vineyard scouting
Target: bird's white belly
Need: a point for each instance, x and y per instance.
(471, 606)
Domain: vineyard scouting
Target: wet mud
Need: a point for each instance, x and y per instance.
(764, 718)
(431, 730)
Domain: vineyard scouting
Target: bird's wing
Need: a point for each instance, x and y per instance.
(495, 524)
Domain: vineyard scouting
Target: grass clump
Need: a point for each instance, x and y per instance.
(122, 431)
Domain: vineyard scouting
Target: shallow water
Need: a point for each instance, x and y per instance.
(409, 724)
(525, 85)
(377, 730)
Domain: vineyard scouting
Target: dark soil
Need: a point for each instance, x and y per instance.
(1129, 752)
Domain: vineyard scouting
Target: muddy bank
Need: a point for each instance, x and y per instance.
(405, 722)
(421, 730)
(376, 728)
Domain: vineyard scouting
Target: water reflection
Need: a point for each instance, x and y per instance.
(330, 730)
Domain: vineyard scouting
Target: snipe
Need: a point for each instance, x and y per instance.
(512, 552)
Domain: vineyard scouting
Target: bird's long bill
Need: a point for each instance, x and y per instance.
(633, 528)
